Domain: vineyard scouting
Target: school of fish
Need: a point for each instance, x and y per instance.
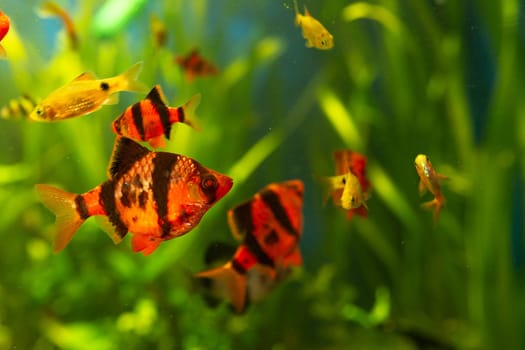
(157, 196)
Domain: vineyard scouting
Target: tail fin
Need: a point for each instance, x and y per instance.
(62, 204)
(129, 79)
(229, 284)
(189, 111)
(434, 205)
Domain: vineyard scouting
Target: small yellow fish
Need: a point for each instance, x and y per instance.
(86, 94)
(314, 32)
(429, 179)
(352, 196)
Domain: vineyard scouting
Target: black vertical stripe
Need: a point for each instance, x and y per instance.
(107, 197)
(237, 266)
(80, 205)
(242, 218)
(272, 200)
(163, 164)
(251, 243)
(136, 113)
(181, 114)
(164, 116)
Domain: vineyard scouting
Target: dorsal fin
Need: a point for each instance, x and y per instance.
(125, 153)
(306, 12)
(85, 76)
(156, 96)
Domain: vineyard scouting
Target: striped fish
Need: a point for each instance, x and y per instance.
(155, 195)
(270, 226)
(18, 107)
(151, 119)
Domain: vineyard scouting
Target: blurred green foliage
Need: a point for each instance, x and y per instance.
(437, 77)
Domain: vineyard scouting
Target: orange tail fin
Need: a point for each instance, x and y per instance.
(62, 204)
(189, 111)
(434, 205)
(229, 284)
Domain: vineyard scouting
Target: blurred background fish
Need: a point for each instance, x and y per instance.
(4, 28)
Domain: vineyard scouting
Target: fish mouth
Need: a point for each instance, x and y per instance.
(225, 185)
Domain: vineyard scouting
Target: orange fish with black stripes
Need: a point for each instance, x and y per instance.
(270, 226)
(350, 187)
(430, 180)
(151, 119)
(195, 65)
(156, 196)
(260, 279)
(4, 28)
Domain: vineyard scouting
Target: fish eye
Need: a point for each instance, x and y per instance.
(104, 86)
(209, 183)
(40, 111)
(344, 180)
(352, 200)
(323, 42)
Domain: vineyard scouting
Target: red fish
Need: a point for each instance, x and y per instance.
(260, 279)
(4, 28)
(354, 162)
(155, 195)
(270, 226)
(151, 119)
(194, 65)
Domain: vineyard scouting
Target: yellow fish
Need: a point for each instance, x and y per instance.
(429, 179)
(352, 196)
(314, 32)
(86, 94)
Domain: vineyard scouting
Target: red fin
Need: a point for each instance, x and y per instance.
(157, 142)
(62, 204)
(361, 211)
(125, 153)
(228, 284)
(144, 245)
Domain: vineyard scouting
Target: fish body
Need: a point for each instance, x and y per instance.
(316, 35)
(4, 28)
(429, 180)
(155, 195)
(86, 94)
(151, 119)
(195, 65)
(270, 226)
(350, 187)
